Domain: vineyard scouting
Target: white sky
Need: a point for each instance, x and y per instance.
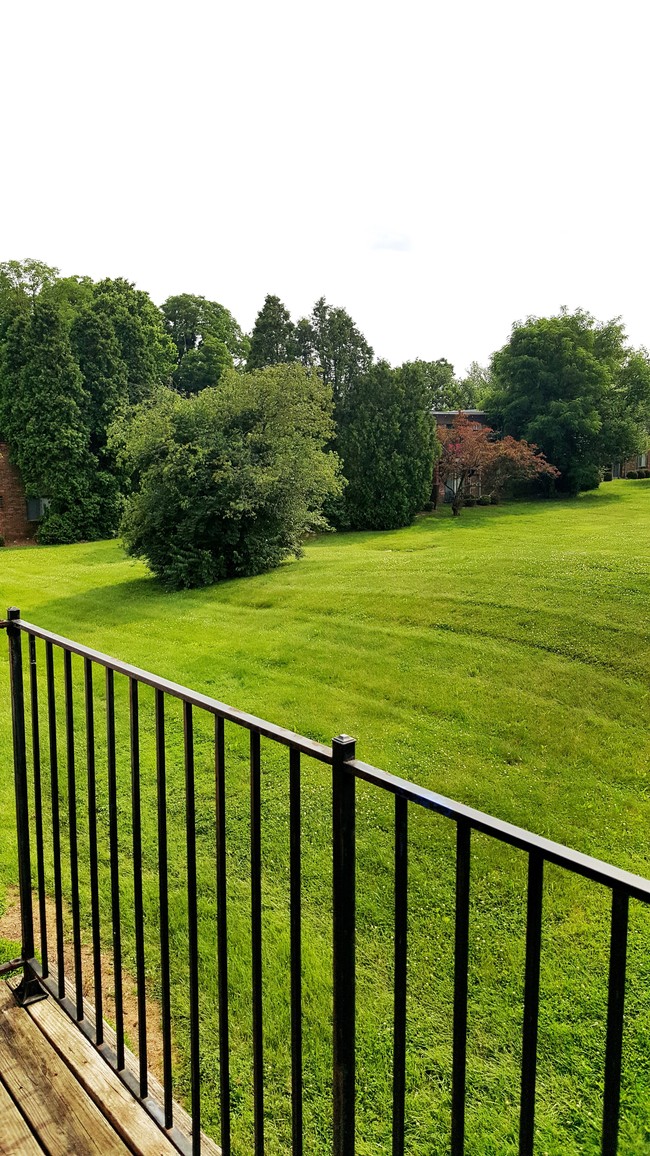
(439, 169)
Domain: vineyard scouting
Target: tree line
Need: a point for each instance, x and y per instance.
(213, 451)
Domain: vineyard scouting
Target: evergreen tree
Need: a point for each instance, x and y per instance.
(331, 341)
(273, 340)
(146, 348)
(388, 447)
(44, 414)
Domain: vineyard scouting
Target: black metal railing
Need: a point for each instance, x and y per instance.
(49, 974)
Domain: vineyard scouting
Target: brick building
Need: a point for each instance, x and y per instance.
(14, 523)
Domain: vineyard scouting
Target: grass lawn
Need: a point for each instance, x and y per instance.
(502, 658)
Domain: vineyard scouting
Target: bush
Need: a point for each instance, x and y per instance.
(469, 501)
(494, 499)
(631, 474)
(607, 476)
(484, 500)
(227, 482)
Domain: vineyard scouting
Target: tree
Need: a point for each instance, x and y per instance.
(476, 386)
(575, 387)
(444, 389)
(471, 450)
(202, 368)
(73, 355)
(145, 347)
(387, 444)
(273, 338)
(44, 412)
(207, 340)
(330, 340)
(190, 320)
(227, 482)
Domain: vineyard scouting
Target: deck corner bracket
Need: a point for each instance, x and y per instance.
(29, 990)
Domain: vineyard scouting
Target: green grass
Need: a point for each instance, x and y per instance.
(503, 659)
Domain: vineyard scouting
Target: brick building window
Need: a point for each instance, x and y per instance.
(36, 508)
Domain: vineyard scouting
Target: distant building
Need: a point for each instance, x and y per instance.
(445, 417)
(19, 517)
(631, 465)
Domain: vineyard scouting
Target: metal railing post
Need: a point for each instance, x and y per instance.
(344, 902)
(29, 988)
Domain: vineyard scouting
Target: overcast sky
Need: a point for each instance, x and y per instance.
(439, 169)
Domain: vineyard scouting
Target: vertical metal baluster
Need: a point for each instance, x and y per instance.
(296, 950)
(399, 1014)
(531, 1003)
(115, 869)
(615, 1009)
(256, 936)
(38, 801)
(163, 892)
(72, 819)
(192, 926)
(56, 821)
(344, 915)
(92, 846)
(461, 961)
(138, 911)
(28, 988)
(222, 937)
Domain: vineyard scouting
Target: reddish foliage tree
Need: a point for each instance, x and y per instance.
(469, 449)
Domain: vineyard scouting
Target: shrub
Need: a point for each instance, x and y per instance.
(631, 474)
(494, 499)
(484, 500)
(227, 482)
(607, 476)
(469, 501)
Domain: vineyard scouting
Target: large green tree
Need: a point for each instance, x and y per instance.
(388, 447)
(574, 387)
(228, 482)
(273, 339)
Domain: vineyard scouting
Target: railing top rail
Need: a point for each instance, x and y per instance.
(194, 698)
(595, 869)
(576, 861)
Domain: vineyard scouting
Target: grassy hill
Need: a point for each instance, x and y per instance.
(502, 658)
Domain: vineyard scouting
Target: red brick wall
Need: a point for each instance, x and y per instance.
(14, 526)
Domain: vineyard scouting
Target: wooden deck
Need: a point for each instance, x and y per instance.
(59, 1096)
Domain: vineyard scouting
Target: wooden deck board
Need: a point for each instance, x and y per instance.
(55, 1106)
(15, 1137)
(104, 1087)
(182, 1119)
